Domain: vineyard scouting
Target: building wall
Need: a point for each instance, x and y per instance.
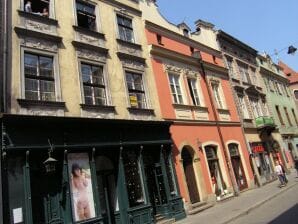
(68, 69)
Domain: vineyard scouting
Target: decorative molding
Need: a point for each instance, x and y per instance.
(42, 19)
(97, 107)
(78, 45)
(180, 69)
(39, 103)
(141, 110)
(84, 31)
(39, 44)
(36, 34)
(91, 55)
(122, 55)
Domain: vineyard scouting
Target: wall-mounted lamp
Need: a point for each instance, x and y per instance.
(50, 163)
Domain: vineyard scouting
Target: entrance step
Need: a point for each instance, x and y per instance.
(159, 219)
(226, 197)
(198, 207)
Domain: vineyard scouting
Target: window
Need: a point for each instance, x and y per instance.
(254, 76)
(296, 94)
(218, 100)
(279, 115)
(86, 17)
(244, 73)
(229, 62)
(256, 107)
(192, 85)
(265, 108)
(271, 85)
(137, 97)
(175, 89)
(125, 28)
(93, 84)
(243, 107)
(294, 115)
(159, 39)
(133, 179)
(39, 77)
(288, 117)
(37, 7)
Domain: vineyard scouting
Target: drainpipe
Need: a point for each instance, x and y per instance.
(229, 165)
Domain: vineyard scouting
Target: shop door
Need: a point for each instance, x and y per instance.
(239, 173)
(190, 176)
(106, 190)
(106, 186)
(156, 186)
(47, 194)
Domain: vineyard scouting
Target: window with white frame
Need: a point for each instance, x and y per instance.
(243, 106)
(175, 89)
(86, 17)
(217, 95)
(39, 77)
(125, 28)
(37, 7)
(194, 93)
(255, 107)
(93, 84)
(136, 91)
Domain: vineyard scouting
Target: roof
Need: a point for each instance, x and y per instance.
(290, 74)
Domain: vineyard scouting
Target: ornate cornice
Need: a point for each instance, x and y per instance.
(31, 33)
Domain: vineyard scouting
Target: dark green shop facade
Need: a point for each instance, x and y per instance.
(104, 171)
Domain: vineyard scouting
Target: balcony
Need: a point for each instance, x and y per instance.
(265, 122)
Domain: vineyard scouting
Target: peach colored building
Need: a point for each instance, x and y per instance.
(210, 152)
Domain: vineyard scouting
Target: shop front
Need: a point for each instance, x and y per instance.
(68, 170)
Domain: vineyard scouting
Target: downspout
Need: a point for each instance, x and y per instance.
(230, 168)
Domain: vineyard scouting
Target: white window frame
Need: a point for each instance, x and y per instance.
(51, 8)
(195, 91)
(243, 107)
(54, 55)
(177, 82)
(106, 83)
(217, 93)
(132, 24)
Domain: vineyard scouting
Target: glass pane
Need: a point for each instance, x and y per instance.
(138, 82)
(129, 35)
(141, 100)
(87, 91)
(47, 90)
(86, 73)
(46, 66)
(97, 76)
(30, 64)
(133, 178)
(31, 89)
(99, 94)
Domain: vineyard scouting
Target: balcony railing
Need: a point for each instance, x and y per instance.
(264, 121)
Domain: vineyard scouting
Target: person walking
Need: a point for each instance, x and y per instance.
(279, 173)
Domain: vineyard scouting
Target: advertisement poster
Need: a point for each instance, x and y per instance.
(81, 186)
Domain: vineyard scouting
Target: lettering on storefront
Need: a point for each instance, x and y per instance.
(257, 147)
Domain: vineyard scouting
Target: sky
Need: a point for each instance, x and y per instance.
(265, 25)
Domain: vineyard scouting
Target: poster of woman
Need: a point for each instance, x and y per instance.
(81, 186)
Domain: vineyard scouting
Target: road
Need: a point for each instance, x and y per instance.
(282, 209)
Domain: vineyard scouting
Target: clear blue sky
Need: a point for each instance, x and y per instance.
(265, 25)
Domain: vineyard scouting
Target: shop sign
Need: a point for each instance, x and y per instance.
(81, 186)
(257, 147)
(133, 101)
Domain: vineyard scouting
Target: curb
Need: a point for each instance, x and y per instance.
(251, 208)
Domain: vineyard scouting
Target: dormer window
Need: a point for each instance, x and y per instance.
(159, 39)
(37, 7)
(185, 32)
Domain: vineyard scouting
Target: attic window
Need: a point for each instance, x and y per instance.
(192, 50)
(289, 74)
(159, 39)
(185, 32)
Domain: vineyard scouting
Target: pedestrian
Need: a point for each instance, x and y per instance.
(28, 6)
(279, 173)
(296, 165)
(284, 173)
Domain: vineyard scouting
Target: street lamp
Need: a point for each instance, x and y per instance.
(50, 163)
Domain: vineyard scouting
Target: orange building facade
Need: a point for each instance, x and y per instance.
(210, 153)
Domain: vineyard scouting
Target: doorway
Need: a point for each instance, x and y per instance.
(155, 181)
(106, 184)
(191, 182)
(237, 166)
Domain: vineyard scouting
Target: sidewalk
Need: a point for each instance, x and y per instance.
(225, 212)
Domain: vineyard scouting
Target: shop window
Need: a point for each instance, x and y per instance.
(136, 91)
(134, 183)
(37, 7)
(93, 84)
(125, 28)
(39, 77)
(170, 173)
(192, 85)
(175, 89)
(86, 17)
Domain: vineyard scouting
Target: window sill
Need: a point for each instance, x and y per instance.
(144, 110)
(41, 18)
(89, 32)
(131, 44)
(187, 106)
(222, 110)
(36, 34)
(97, 107)
(28, 103)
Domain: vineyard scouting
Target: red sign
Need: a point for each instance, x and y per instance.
(257, 148)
